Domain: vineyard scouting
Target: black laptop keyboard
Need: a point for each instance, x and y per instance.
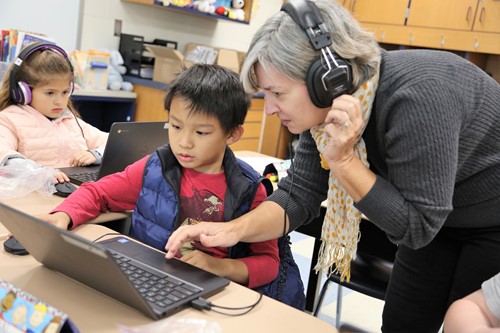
(84, 177)
(157, 288)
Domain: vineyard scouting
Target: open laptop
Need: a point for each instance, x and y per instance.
(114, 267)
(127, 143)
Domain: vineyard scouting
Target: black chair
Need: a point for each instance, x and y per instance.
(370, 271)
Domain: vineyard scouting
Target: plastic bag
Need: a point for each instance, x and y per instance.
(22, 176)
(175, 325)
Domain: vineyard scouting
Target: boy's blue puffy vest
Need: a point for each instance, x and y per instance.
(156, 216)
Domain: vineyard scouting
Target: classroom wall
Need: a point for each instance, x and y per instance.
(99, 17)
(59, 19)
(89, 24)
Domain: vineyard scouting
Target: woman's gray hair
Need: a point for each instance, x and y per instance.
(283, 45)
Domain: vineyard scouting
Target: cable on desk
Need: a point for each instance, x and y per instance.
(106, 234)
(204, 304)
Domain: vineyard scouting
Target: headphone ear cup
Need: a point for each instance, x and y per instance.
(338, 81)
(314, 81)
(23, 93)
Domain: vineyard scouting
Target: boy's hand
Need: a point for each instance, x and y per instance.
(204, 261)
(59, 219)
(82, 158)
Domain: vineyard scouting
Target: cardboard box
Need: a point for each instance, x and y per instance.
(168, 62)
(195, 53)
(229, 59)
(225, 57)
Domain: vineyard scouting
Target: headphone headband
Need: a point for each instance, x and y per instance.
(20, 91)
(40, 46)
(308, 17)
(329, 75)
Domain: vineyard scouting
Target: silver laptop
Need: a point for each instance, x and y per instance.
(127, 143)
(123, 269)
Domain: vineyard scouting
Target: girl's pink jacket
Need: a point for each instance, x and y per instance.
(26, 132)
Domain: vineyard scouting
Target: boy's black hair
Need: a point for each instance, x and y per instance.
(211, 90)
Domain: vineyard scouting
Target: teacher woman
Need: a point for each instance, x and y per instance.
(410, 139)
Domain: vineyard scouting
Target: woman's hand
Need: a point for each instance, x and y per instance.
(344, 124)
(210, 234)
(344, 128)
(59, 219)
(82, 158)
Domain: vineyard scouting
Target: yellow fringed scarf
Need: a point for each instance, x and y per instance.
(340, 230)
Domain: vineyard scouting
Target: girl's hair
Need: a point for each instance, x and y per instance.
(211, 90)
(283, 45)
(38, 68)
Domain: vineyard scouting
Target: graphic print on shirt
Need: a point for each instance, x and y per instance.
(203, 205)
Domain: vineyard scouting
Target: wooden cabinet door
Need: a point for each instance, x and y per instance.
(253, 128)
(346, 3)
(379, 11)
(150, 103)
(445, 14)
(488, 16)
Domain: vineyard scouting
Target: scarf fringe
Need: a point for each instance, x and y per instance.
(335, 258)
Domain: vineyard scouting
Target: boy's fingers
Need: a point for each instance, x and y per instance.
(179, 237)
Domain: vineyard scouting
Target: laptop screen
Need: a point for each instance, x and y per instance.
(127, 143)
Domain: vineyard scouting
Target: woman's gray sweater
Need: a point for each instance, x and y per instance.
(433, 140)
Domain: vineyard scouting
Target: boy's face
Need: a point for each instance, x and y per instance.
(197, 141)
(51, 99)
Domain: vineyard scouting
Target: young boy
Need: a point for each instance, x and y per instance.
(196, 177)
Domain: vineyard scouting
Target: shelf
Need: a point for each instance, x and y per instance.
(104, 93)
(195, 12)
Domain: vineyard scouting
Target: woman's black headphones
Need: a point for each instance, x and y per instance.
(20, 91)
(328, 76)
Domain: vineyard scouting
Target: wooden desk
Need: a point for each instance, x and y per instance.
(92, 311)
(36, 203)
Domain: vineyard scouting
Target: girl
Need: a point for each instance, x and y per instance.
(38, 122)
